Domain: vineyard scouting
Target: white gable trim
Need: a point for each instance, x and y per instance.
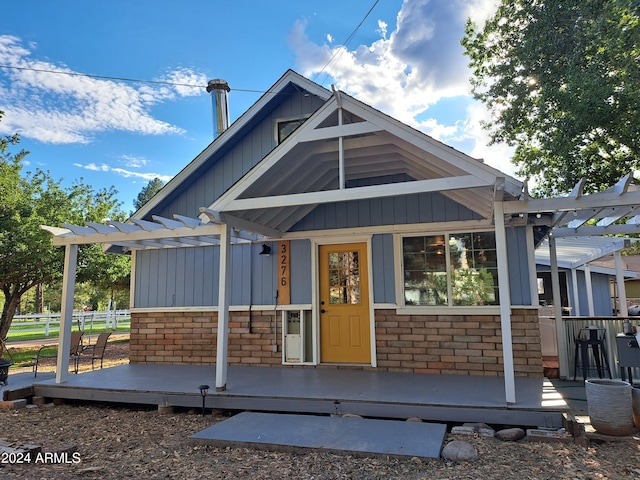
(476, 173)
(357, 193)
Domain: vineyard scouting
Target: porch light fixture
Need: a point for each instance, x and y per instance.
(266, 250)
(204, 389)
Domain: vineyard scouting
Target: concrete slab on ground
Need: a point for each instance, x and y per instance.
(291, 432)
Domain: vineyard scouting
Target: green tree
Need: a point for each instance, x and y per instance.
(27, 200)
(147, 193)
(562, 81)
(106, 272)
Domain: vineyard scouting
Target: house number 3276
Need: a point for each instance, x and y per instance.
(284, 273)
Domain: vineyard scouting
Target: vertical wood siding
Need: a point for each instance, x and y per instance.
(383, 273)
(218, 174)
(518, 259)
(602, 303)
(419, 208)
(186, 277)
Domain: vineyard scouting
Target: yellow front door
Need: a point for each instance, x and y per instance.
(345, 332)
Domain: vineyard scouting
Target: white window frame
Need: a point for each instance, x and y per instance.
(278, 121)
(404, 309)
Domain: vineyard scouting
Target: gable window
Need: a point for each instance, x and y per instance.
(286, 128)
(450, 269)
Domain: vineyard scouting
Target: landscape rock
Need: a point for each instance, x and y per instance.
(474, 429)
(458, 451)
(510, 434)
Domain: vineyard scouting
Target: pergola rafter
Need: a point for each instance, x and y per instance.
(162, 232)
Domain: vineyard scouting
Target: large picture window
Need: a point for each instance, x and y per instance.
(450, 269)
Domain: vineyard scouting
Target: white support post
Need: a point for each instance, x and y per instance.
(587, 278)
(576, 295)
(557, 307)
(224, 294)
(66, 319)
(505, 304)
(622, 294)
(341, 174)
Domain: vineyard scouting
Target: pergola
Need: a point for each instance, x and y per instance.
(162, 232)
(583, 228)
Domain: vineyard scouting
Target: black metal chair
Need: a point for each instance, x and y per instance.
(591, 339)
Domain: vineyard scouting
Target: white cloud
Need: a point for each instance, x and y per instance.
(437, 130)
(133, 161)
(72, 108)
(122, 172)
(498, 156)
(187, 83)
(409, 69)
(382, 29)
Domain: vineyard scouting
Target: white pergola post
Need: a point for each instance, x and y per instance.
(224, 295)
(622, 294)
(505, 304)
(557, 307)
(576, 298)
(66, 320)
(587, 278)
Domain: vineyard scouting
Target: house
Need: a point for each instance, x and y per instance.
(316, 231)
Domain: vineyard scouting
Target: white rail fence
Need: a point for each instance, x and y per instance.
(49, 323)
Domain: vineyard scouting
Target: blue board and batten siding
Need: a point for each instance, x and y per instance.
(239, 156)
(185, 277)
(188, 277)
(601, 293)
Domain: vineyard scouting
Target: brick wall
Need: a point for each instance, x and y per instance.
(190, 338)
(457, 344)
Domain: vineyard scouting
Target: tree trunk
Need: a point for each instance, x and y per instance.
(11, 303)
(39, 298)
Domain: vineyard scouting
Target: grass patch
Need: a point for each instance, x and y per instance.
(25, 356)
(21, 356)
(15, 335)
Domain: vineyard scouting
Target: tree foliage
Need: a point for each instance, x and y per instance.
(27, 254)
(147, 193)
(562, 81)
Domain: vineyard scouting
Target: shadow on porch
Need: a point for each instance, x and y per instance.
(441, 398)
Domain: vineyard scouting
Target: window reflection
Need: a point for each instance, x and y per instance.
(344, 278)
(471, 277)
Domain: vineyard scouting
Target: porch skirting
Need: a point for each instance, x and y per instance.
(431, 344)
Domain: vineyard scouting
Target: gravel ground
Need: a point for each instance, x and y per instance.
(126, 441)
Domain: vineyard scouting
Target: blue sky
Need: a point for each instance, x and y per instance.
(404, 59)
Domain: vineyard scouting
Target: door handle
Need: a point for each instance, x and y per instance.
(323, 311)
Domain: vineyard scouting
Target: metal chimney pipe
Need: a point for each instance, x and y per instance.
(219, 90)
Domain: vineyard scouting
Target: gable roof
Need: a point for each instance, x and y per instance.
(346, 140)
(254, 114)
